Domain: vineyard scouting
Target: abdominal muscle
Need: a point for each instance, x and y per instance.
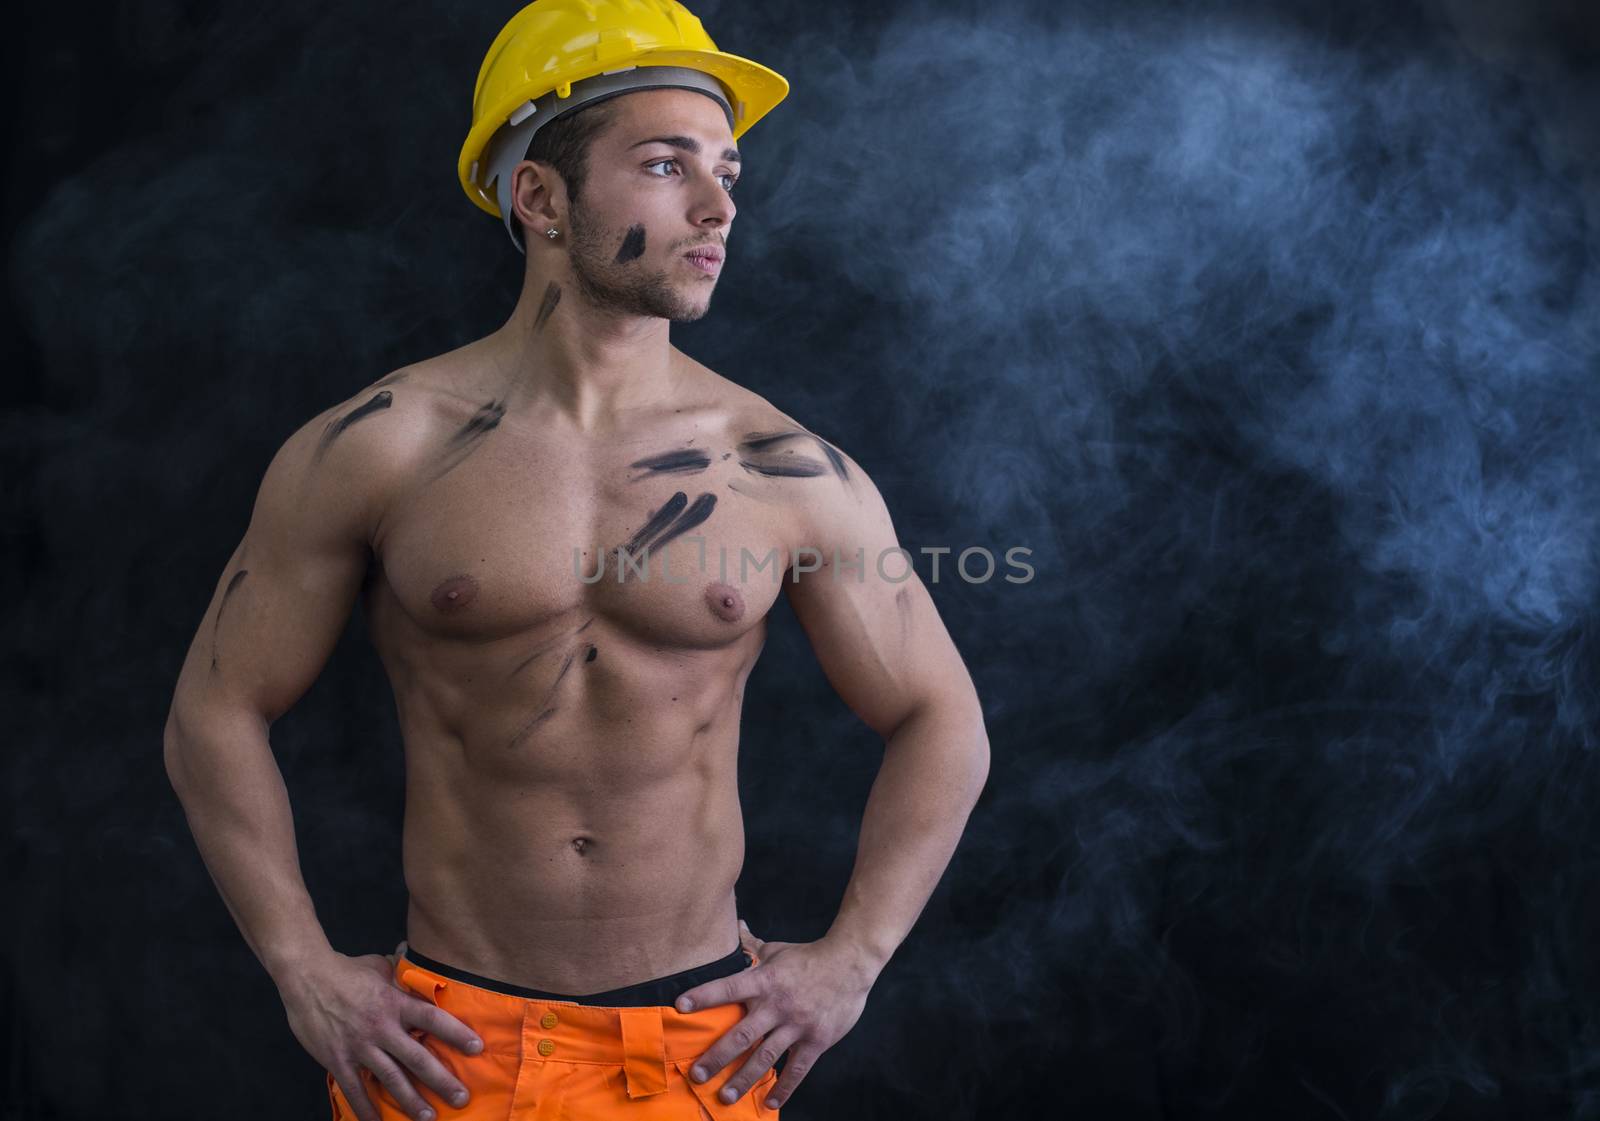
(596, 849)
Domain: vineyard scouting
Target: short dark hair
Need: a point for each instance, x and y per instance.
(564, 145)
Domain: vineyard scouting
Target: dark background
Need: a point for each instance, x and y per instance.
(1272, 330)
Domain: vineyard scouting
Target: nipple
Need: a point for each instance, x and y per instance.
(725, 602)
(455, 593)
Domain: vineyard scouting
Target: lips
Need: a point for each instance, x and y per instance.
(705, 259)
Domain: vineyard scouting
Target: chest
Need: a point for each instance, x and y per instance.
(648, 535)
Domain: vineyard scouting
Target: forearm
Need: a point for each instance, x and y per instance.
(934, 767)
(223, 771)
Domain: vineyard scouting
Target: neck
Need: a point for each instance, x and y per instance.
(593, 365)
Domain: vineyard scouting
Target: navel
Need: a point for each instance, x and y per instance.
(455, 593)
(725, 601)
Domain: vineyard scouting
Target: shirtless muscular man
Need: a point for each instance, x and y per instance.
(566, 537)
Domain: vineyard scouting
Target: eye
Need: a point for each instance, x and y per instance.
(732, 177)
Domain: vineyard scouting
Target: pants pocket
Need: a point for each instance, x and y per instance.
(749, 1107)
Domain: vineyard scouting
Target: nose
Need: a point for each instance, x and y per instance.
(714, 207)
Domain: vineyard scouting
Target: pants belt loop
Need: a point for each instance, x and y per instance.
(644, 1056)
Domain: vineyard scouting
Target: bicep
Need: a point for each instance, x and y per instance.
(285, 595)
(868, 615)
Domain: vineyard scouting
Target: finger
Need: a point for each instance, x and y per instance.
(355, 1092)
(426, 1066)
(441, 1025)
(798, 1066)
(734, 1042)
(394, 1079)
(760, 1061)
(724, 990)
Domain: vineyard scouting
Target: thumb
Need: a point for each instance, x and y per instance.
(747, 937)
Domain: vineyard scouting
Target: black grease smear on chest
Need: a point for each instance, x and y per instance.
(377, 403)
(469, 437)
(482, 423)
(683, 461)
(676, 516)
(546, 646)
(632, 245)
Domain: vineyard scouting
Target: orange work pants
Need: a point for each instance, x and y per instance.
(551, 1058)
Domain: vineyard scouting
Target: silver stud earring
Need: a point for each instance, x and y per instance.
(551, 232)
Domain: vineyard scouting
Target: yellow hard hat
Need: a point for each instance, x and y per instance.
(556, 55)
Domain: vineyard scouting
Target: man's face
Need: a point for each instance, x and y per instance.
(657, 186)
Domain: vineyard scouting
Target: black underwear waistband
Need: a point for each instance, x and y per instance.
(658, 990)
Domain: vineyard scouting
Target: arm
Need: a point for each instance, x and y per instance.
(276, 613)
(885, 651)
(883, 647)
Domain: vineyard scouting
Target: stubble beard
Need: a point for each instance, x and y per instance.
(628, 289)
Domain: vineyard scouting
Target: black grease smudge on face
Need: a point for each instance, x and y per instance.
(671, 520)
(682, 462)
(593, 651)
(552, 297)
(238, 578)
(379, 402)
(632, 245)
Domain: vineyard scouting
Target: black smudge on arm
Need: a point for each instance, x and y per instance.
(379, 401)
(765, 442)
(784, 467)
(238, 578)
(834, 458)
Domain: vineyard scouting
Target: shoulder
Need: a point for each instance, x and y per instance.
(829, 497)
(350, 459)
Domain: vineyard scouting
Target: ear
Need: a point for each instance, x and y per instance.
(538, 195)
